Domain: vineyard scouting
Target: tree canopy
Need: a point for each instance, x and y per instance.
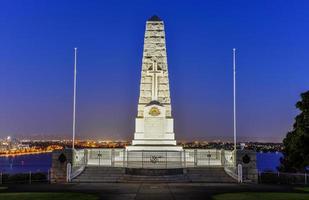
(296, 142)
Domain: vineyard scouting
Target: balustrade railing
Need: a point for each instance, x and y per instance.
(151, 159)
(227, 162)
(79, 162)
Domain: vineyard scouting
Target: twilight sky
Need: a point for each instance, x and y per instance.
(36, 66)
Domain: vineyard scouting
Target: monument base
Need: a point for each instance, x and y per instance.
(154, 172)
(153, 148)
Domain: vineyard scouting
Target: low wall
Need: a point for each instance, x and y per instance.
(156, 159)
(139, 162)
(60, 159)
(247, 158)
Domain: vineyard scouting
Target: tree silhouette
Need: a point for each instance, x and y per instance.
(296, 142)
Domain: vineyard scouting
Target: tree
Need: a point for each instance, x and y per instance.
(296, 143)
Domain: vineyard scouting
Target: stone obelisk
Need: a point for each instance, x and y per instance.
(154, 125)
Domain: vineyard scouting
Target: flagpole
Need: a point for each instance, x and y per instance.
(74, 98)
(234, 99)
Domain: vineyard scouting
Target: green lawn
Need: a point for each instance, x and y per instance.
(47, 196)
(262, 196)
(303, 189)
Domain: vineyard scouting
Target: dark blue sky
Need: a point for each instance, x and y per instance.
(36, 65)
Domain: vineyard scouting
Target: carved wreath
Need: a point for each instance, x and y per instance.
(154, 111)
(155, 159)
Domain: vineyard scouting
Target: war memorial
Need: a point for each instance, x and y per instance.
(154, 154)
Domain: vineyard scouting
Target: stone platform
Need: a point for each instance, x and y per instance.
(69, 164)
(154, 148)
(123, 175)
(154, 172)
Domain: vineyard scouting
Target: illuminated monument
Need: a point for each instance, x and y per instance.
(154, 125)
(154, 148)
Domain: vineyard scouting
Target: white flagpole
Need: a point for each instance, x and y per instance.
(74, 97)
(234, 97)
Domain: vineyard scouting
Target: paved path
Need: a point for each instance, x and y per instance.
(148, 191)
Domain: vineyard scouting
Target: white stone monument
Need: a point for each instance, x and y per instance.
(154, 125)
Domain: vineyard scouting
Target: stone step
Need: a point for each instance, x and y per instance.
(100, 174)
(104, 173)
(209, 174)
(153, 177)
(134, 178)
(205, 169)
(98, 177)
(110, 174)
(104, 169)
(96, 181)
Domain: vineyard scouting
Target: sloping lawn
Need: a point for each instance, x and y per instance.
(261, 196)
(303, 189)
(46, 196)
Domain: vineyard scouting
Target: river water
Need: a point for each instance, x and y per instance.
(25, 163)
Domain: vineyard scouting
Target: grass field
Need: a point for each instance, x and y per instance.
(46, 196)
(303, 189)
(262, 195)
